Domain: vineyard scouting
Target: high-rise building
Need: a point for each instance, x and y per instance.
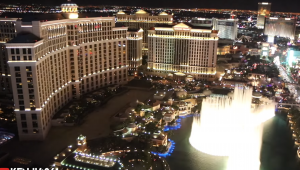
(7, 32)
(134, 53)
(264, 10)
(54, 61)
(265, 49)
(282, 27)
(144, 20)
(227, 27)
(293, 56)
(183, 50)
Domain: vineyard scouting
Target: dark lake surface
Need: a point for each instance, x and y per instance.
(278, 150)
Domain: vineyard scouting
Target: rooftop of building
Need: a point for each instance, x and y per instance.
(28, 17)
(142, 12)
(133, 29)
(183, 24)
(25, 38)
(294, 48)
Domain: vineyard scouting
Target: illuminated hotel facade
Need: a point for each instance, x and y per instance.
(264, 10)
(227, 27)
(134, 53)
(7, 33)
(282, 27)
(59, 60)
(142, 19)
(183, 49)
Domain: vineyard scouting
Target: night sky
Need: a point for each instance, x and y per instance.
(277, 5)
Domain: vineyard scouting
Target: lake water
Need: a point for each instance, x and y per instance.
(278, 151)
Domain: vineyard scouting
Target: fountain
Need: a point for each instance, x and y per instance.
(231, 126)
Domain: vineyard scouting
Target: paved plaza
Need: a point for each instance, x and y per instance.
(96, 124)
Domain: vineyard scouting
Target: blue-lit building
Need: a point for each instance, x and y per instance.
(293, 55)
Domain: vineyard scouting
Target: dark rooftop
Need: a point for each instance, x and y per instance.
(165, 25)
(25, 38)
(119, 24)
(133, 30)
(198, 27)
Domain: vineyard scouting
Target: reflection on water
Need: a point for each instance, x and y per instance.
(278, 152)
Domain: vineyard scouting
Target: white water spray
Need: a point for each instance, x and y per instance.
(229, 126)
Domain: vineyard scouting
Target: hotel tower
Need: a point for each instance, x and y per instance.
(54, 60)
(183, 50)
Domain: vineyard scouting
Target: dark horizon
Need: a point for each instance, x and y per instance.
(277, 6)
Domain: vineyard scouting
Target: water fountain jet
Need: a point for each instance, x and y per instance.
(232, 126)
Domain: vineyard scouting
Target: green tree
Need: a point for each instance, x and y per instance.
(70, 119)
(151, 127)
(138, 108)
(128, 121)
(158, 115)
(161, 148)
(175, 107)
(148, 114)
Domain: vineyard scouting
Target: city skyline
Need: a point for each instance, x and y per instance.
(115, 86)
(278, 6)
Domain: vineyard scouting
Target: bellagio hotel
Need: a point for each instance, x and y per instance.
(54, 61)
(182, 50)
